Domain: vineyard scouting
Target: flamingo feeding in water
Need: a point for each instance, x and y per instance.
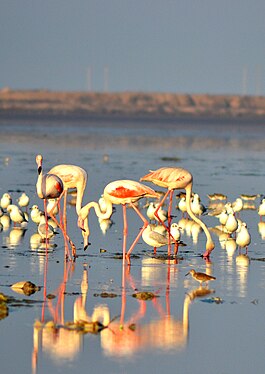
(172, 179)
(73, 177)
(119, 192)
(50, 186)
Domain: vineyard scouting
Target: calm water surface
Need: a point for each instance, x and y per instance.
(181, 330)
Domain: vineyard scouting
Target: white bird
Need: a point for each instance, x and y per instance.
(175, 231)
(196, 206)
(36, 214)
(231, 223)
(162, 214)
(52, 206)
(222, 217)
(23, 200)
(182, 205)
(151, 212)
(261, 209)
(237, 205)
(16, 215)
(243, 238)
(42, 229)
(5, 201)
(154, 238)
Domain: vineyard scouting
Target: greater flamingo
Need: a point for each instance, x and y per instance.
(50, 186)
(119, 192)
(73, 177)
(177, 178)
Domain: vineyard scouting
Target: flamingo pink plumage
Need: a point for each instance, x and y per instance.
(172, 179)
(120, 192)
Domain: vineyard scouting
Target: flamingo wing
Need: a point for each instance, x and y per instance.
(125, 191)
(169, 177)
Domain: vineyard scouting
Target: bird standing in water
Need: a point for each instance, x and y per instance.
(172, 179)
(200, 277)
(243, 238)
(153, 238)
(5, 201)
(50, 186)
(23, 200)
(123, 192)
(73, 176)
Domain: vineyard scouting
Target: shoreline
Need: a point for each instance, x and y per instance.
(50, 105)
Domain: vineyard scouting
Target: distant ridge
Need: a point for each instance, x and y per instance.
(38, 103)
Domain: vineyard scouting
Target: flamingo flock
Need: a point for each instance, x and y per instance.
(53, 187)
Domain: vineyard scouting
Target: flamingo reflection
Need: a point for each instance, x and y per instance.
(126, 337)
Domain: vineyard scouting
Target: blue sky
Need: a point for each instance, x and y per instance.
(186, 46)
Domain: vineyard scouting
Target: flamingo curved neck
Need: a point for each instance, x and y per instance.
(79, 198)
(209, 244)
(84, 212)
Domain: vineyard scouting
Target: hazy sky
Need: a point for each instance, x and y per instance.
(186, 46)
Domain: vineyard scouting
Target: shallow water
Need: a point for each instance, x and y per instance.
(177, 331)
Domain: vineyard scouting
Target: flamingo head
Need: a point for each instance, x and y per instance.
(39, 163)
(209, 247)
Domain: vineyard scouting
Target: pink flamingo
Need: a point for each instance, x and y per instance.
(172, 179)
(73, 177)
(50, 186)
(119, 192)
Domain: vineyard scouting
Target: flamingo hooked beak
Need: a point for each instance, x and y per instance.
(86, 242)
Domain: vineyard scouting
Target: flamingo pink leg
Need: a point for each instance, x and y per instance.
(139, 234)
(125, 232)
(169, 213)
(67, 253)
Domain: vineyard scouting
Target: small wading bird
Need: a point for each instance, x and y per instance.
(119, 192)
(50, 186)
(172, 179)
(200, 277)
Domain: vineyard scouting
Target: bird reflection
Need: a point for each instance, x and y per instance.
(61, 340)
(261, 229)
(128, 336)
(58, 342)
(15, 237)
(5, 221)
(242, 267)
